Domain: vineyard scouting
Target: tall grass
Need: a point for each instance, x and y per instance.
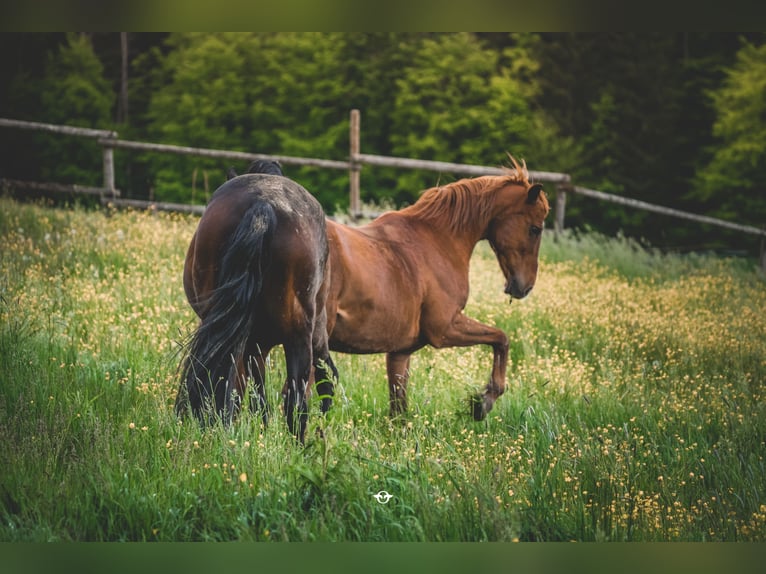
(635, 406)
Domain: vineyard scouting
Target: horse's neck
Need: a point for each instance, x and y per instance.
(457, 240)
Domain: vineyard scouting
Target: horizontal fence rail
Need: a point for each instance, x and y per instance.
(224, 154)
(468, 169)
(70, 130)
(58, 188)
(110, 195)
(156, 205)
(637, 204)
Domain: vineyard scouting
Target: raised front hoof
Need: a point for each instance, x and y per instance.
(480, 406)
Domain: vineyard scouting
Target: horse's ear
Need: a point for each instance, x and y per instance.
(533, 193)
(230, 173)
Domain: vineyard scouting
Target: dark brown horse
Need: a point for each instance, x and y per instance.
(256, 273)
(401, 282)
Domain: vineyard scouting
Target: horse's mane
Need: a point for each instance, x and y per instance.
(463, 202)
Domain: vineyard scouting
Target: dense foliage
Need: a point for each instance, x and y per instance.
(671, 118)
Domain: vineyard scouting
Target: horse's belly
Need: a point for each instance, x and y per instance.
(365, 333)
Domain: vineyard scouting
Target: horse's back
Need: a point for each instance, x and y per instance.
(299, 238)
(289, 199)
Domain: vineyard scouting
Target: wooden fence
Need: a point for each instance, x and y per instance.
(109, 141)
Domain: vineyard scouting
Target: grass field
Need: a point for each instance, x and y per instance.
(635, 408)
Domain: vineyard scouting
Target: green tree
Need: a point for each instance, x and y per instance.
(634, 104)
(262, 93)
(304, 79)
(74, 92)
(732, 183)
(435, 96)
(455, 102)
(22, 66)
(201, 103)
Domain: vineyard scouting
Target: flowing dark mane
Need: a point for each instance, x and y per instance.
(463, 202)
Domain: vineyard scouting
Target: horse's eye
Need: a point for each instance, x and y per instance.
(535, 231)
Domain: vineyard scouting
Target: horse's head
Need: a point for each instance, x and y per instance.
(515, 234)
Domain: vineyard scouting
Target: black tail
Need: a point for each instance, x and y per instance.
(209, 368)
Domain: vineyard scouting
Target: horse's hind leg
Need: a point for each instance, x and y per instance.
(257, 370)
(229, 391)
(325, 372)
(298, 357)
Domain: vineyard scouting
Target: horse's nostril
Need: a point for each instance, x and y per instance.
(513, 289)
(527, 290)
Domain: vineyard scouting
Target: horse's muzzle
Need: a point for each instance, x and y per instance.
(517, 291)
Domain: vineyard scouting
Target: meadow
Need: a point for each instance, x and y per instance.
(634, 411)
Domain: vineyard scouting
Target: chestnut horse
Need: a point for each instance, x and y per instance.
(401, 282)
(256, 273)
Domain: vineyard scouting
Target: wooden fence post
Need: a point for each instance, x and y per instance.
(353, 173)
(108, 159)
(561, 203)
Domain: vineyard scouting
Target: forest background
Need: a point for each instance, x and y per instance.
(677, 119)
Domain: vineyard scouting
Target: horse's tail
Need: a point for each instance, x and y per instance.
(209, 368)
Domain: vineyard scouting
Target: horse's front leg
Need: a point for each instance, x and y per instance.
(398, 371)
(325, 375)
(465, 332)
